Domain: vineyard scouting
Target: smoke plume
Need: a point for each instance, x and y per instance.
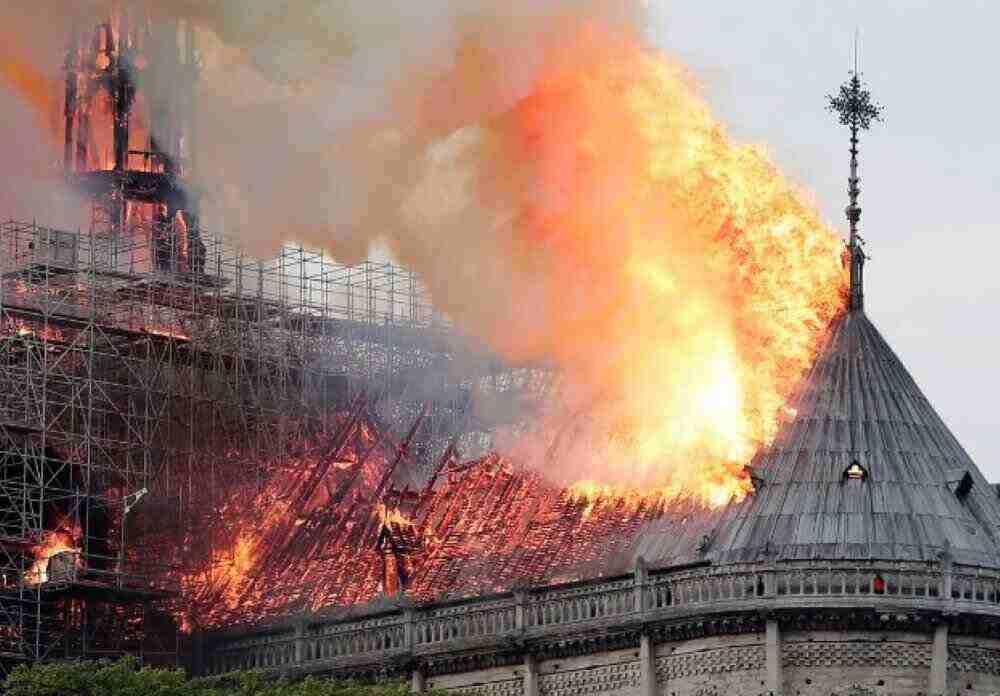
(561, 187)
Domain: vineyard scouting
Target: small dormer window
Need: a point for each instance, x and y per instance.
(855, 472)
(959, 482)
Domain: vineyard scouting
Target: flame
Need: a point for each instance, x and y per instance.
(233, 565)
(43, 332)
(389, 515)
(52, 543)
(684, 284)
(166, 331)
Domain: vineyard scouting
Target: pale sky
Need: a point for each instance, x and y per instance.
(930, 173)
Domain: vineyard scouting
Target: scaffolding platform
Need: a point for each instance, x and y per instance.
(35, 272)
(185, 382)
(102, 592)
(18, 542)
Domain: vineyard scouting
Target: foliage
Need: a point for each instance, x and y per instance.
(126, 678)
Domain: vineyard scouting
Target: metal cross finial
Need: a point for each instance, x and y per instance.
(855, 109)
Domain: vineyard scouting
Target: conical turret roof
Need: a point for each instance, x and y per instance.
(865, 469)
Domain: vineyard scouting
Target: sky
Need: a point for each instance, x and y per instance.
(930, 174)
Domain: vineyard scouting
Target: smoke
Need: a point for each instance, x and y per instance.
(560, 186)
(324, 117)
(30, 185)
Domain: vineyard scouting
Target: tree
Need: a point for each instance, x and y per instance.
(126, 678)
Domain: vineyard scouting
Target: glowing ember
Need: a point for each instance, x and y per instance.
(679, 280)
(43, 332)
(167, 332)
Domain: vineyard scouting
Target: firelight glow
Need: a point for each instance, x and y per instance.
(687, 283)
(680, 284)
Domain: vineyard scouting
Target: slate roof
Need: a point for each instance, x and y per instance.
(859, 403)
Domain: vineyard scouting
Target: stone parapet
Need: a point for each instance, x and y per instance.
(609, 613)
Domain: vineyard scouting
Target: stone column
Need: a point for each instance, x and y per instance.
(198, 666)
(409, 629)
(530, 676)
(520, 599)
(939, 661)
(417, 684)
(772, 656)
(647, 664)
(300, 642)
(639, 577)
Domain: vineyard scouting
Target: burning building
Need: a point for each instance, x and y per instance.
(865, 560)
(282, 464)
(154, 375)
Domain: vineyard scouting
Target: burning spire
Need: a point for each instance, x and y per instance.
(856, 110)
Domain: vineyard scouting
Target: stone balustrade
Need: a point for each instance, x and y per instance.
(327, 643)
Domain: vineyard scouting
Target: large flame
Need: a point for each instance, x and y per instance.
(678, 279)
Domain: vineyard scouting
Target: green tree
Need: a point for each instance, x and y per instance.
(126, 678)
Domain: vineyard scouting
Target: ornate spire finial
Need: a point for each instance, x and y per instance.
(856, 110)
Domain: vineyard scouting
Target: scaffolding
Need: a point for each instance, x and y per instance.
(147, 369)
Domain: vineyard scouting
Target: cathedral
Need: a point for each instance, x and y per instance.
(865, 561)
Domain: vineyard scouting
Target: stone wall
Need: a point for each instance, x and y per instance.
(793, 629)
(813, 663)
(973, 666)
(507, 681)
(820, 663)
(706, 667)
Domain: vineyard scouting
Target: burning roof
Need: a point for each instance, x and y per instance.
(320, 535)
(489, 525)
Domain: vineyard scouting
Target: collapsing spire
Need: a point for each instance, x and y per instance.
(856, 110)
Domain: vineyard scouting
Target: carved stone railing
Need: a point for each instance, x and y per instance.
(324, 643)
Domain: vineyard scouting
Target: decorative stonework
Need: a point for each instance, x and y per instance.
(507, 687)
(456, 663)
(856, 690)
(856, 654)
(715, 661)
(593, 680)
(965, 658)
(707, 691)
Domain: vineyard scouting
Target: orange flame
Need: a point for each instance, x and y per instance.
(684, 284)
(52, 544)
(166, 331)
